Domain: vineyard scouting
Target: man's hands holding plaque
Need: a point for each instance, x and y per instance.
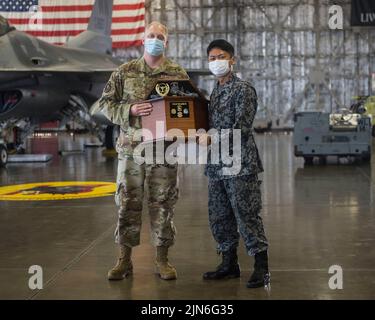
(144, 109)
(141, 109)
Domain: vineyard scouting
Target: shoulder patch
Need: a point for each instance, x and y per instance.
(108, 87)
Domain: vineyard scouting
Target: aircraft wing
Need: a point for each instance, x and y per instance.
(20, 52)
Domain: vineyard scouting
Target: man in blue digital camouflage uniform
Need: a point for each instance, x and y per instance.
(234, 198)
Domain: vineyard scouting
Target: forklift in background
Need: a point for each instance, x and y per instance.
(347, 133)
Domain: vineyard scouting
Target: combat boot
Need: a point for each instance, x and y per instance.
(229, 267)
(165, 270)
(260, 277)
(124, 266)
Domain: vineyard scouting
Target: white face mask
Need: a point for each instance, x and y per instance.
(219, 68)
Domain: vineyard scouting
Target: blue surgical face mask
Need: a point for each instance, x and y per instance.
(154, 47)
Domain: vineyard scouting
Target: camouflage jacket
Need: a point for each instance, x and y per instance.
(233, 106)
(129, 84)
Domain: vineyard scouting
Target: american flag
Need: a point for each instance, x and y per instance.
(59, 19)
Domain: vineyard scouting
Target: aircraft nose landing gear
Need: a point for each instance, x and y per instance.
(3, 154)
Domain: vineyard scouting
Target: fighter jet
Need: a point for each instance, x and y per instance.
(43, 82)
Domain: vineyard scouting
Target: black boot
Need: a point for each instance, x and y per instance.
(229, 268)
(260, 277)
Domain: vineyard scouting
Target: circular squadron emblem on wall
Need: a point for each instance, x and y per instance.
(57, 191)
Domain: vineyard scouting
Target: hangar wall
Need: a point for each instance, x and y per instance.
(285, 48)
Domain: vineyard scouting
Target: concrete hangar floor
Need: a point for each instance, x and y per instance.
(315, 217)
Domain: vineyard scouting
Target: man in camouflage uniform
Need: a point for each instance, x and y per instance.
(234, 198)
(121, 104)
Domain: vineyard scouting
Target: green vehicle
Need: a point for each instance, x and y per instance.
(365, 105)
(3, 153)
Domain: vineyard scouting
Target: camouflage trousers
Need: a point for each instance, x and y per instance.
(234, 207)
(163, 195)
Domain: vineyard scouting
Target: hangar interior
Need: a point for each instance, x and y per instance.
(315, 216)
(284, 47)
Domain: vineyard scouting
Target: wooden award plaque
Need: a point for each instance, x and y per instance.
(177, 104)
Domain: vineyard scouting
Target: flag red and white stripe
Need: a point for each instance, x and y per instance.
(60, 19)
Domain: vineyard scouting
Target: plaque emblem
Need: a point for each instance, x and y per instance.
(162, 89)
(179, 110)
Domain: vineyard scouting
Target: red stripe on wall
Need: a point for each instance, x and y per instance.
(135, 6)
(63, 33)
(77, 20)
(126, 44)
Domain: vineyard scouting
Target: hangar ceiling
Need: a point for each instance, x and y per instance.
(285, 48)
